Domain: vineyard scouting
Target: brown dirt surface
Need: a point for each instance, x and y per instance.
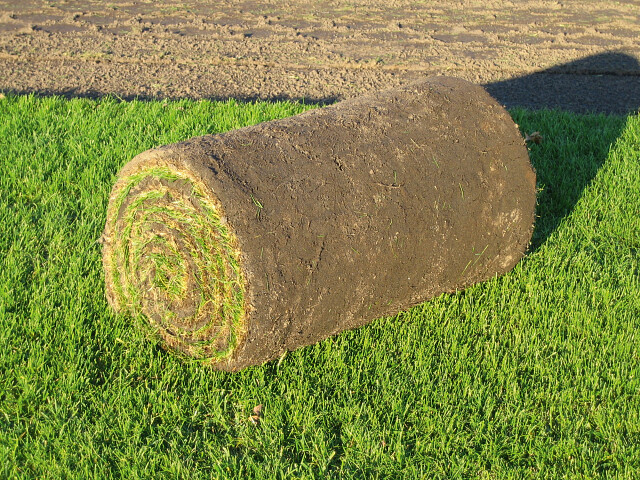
(578, 55)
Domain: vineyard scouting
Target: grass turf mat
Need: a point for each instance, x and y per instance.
(532, 375)
(315, 240)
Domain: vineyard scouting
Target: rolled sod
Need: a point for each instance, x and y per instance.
(235, 248)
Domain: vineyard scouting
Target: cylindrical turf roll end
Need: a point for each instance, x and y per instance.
(170, 256)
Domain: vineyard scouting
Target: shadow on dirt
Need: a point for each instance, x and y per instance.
(604, 83)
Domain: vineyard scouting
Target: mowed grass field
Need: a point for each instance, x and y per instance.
(532, 375)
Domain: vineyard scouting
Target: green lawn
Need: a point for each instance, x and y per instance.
(532, 375)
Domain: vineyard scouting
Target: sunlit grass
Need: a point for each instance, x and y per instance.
(532, 375)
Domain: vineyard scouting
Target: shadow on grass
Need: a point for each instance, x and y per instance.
(71, 93)
(573, 149)
(606, 86)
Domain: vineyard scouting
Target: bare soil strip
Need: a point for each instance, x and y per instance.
(319, 50)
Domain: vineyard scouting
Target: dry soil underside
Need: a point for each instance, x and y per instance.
(576, 55)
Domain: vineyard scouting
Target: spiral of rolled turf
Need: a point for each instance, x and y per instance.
(170, 257)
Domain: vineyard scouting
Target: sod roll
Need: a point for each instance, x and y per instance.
(235, 248)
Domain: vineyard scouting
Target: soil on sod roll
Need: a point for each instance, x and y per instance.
(238, 247)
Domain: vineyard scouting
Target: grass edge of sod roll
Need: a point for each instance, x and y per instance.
(152, 191)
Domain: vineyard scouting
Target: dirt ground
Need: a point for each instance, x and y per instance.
(577, 55)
